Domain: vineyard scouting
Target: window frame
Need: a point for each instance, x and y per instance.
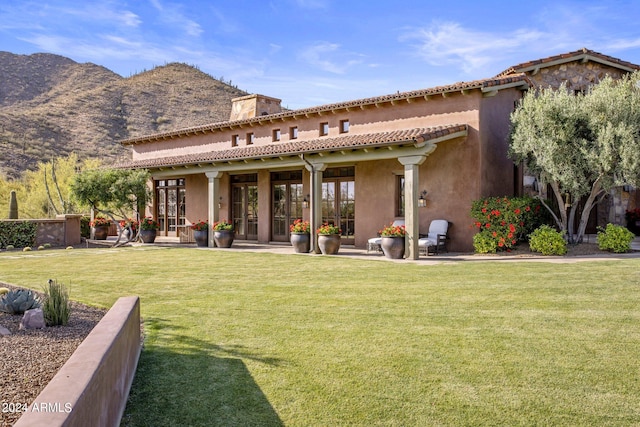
(324, 129)
(344, 126)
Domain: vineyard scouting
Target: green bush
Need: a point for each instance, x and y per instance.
(505, 220)
(55, 306)
(615, 238)
(18, 234)
(85, 228)
(547, 241)
(485, 243)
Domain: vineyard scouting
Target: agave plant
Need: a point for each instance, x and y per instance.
(18, 301)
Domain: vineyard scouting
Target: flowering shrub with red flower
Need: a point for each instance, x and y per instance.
(200, 226)
(503, 222)
(299, 226)
(222, 225)
(129, 223)
(148, 223)
(98, 221)
(393, 231)
(329, 229)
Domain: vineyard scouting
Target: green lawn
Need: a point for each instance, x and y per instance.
(240, 338)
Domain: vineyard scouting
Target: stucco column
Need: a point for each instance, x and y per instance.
(315, 204)
(411, 219)
(212, 202)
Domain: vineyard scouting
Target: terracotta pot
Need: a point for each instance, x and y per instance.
(148, 236)
(223, 238)
(329, 244)
(301, 242)
(393, 247)
(201, 237)
(100, 232)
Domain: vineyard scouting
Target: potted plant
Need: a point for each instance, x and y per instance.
(148, 230)
(633, 220)
(329, 238)
(100, 227)
(300, 236)
(392, 242)
(201, 233)
(223, 234)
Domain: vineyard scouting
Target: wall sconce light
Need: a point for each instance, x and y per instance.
(422, 201)
(305, 201)
(220, 202)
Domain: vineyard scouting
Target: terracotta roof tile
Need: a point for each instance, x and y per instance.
(493, 82)
(568, 57)
(299, 147)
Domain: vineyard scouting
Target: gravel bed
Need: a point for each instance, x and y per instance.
(29, 359)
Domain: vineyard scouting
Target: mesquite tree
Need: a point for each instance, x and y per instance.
(113, 192)
(581, 144)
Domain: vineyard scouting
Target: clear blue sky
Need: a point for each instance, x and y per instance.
(313, 52)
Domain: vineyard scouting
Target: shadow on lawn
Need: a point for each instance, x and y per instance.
(196, 383)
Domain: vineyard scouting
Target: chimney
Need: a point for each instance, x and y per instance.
(246, 107)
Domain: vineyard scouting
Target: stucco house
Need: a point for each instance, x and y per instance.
(360, 164)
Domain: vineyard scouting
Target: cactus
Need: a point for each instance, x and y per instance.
(18, 301)
(13, 205)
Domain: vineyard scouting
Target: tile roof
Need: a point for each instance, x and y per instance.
(493, 83)
(291, 148)
(577, 55)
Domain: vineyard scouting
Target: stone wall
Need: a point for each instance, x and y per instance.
(576, 75)
(62, 231)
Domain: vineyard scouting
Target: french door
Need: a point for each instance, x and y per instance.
(286, 203)
(339, 201)
(170, 205)
(244, 211)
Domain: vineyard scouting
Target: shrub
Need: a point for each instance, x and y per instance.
(547, 241)
(615, 238)
(4, 291)
(55, 307)
(27, 249)
(85, 228)
(485, 243)
(10, 247)
(507, 220)
(17, 233)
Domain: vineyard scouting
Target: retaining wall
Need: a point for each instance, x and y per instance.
(91, 389)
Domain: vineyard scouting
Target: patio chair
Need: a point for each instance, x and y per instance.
(374, 243)
(436, 240)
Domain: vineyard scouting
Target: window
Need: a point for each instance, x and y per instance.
(324, 129)
(399, 195)
(344, 126)
(234, 140)
(293, 132)
(251, 138)
(276, 135)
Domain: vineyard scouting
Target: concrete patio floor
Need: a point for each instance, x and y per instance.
(350, 251)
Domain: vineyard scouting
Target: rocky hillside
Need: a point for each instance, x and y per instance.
(51, 106)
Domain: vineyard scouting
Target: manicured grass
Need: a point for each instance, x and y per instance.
(239, 338)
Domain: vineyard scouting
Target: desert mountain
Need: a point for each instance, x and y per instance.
(51, 106)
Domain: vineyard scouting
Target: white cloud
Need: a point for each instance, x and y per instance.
(171, 13)
(329, 57)
(451, 44)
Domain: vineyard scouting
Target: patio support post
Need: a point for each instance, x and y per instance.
(213, 207)
(315, 204)
(411, 219)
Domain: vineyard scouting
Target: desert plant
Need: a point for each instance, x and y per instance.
(13, 205)
(26, 249)
(547, 241)
(4, 291)
(55, 306)
(18, 301)
(10, 247)
(615, 238)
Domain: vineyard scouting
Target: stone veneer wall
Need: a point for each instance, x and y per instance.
(62, 231)
(576, 75)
